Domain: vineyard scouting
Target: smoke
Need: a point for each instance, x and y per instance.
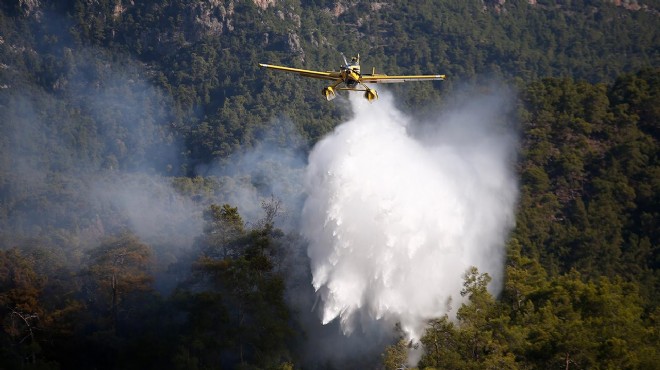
(83, 155)
(273, 168)
(152, 209)
(396, 212)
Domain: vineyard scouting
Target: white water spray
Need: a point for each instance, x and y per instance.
(394, 220)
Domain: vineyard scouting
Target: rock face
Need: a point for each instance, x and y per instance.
(212, 18)
(628, 4)
(120, 8)
(263, 4)
(294, 43)
(30, 7)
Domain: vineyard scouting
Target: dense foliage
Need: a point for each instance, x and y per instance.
(581, 282)
(100, 95)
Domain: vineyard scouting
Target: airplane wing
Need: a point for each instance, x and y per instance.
(305, 72)
(384, 79)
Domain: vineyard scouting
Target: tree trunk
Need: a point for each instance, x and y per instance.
(113, 308)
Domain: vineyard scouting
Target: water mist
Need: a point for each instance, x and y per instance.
(397, 211)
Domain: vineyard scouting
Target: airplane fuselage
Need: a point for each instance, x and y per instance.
(351, 75)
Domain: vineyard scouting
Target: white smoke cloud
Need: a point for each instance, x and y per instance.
(272, 168)
(397, 212)
(152, 209)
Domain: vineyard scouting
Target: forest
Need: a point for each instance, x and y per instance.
(150, 179)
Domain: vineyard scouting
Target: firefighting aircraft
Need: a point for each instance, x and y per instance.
(349, 75)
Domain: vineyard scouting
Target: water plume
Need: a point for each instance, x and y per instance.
(396, 211)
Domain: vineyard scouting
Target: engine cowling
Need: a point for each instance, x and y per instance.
(371, 95)
(329, 93)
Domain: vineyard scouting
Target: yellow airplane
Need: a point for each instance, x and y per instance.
(349, 75)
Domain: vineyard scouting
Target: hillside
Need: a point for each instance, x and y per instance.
(132, 131)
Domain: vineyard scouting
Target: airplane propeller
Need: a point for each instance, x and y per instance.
(345, 60)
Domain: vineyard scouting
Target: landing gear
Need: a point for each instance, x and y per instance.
(370, 95)
(329, 93)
